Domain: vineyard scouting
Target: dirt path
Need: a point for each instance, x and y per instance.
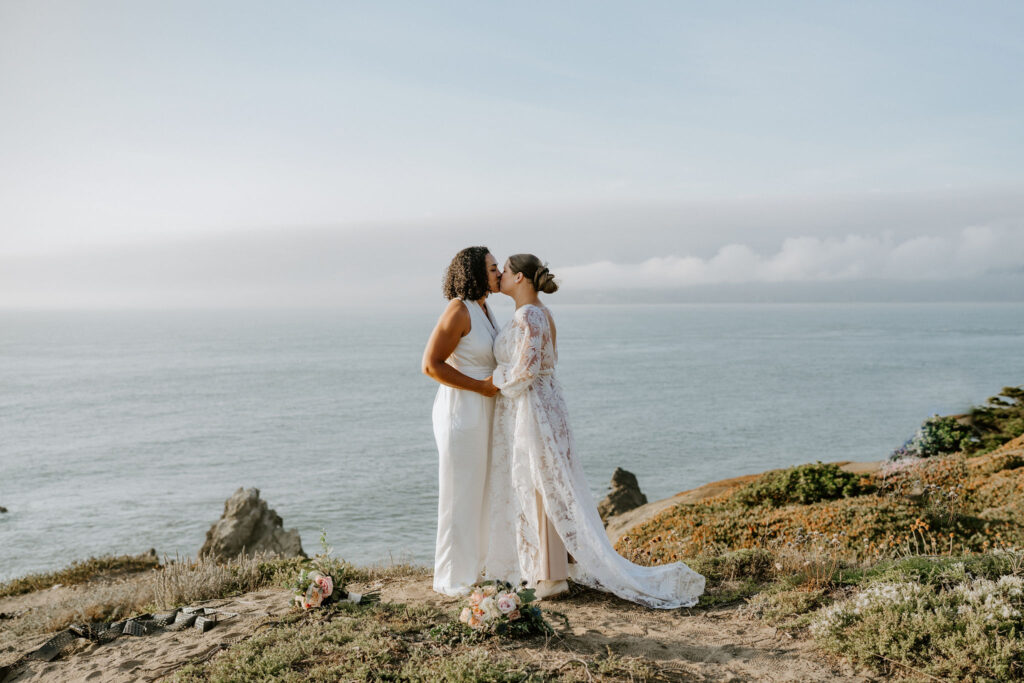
(147, 658)
(698, 645)
(684, 645)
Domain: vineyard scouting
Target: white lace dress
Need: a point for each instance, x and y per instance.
(533, 451)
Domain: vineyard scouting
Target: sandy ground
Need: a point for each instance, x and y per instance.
(700, 645)
(146, 658)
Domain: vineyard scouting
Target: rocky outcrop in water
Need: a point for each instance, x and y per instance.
(248, 526)
(624, 496)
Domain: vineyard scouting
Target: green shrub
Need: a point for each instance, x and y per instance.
(747, 563)
(805, 484)
(941, 436)
(787, 608)
(938, 436)
(999, 421)
(954, 618)
(969, 631)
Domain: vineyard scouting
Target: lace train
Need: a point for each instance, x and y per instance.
(533, 451)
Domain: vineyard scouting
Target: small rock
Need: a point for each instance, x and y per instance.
(3, 509)
(248, 526)
(624, 496)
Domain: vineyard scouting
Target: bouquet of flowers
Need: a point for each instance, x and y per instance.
(496, 607)
(315, 585)
(312, 587)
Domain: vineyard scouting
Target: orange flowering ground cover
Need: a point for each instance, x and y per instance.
(939, 505)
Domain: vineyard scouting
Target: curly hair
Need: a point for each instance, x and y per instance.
(466, 277)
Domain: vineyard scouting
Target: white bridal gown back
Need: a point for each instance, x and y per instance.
(532, 452)
(462, 428)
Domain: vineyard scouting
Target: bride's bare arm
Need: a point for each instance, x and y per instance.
(452, 326)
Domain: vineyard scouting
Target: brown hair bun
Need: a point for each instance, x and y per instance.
(535, 271)
(544, 281)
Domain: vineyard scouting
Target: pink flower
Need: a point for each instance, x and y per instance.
(475, 597)
(326, 584)
(513, 615)
(474, 622)
(465, 616)
(507, 603)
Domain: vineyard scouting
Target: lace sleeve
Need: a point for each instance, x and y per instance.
(516, 377)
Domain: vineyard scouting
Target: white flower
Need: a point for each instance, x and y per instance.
(507, 603)
(489, 608)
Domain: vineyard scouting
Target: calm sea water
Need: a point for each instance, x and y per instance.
(125, 431)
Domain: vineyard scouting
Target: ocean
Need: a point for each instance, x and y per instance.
(122, 431)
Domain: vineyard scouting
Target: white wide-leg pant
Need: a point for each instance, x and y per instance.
(462, 429)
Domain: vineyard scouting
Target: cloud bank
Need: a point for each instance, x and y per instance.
(976, 251)
(382, 265)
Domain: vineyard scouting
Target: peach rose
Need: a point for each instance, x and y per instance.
(314, 596)
(326, 584)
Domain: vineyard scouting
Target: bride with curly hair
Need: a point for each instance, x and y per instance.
(459, 356)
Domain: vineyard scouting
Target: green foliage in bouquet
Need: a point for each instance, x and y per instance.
(804, 484)
(494, 608)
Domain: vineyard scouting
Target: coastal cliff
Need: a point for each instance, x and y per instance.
(910, 567)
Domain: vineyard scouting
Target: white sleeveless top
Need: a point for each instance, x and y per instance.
(474, 356)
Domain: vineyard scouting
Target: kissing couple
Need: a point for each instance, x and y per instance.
(513, 502)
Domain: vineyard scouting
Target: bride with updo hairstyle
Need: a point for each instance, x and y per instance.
(535, 271)
(544, 524)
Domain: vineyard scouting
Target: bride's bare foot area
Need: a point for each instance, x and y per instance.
(547, 590)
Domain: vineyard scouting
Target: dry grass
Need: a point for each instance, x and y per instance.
(180, 581)
(82, 571)
(386, 571)
(186, 581)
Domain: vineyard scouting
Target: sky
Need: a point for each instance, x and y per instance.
(184, 154)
